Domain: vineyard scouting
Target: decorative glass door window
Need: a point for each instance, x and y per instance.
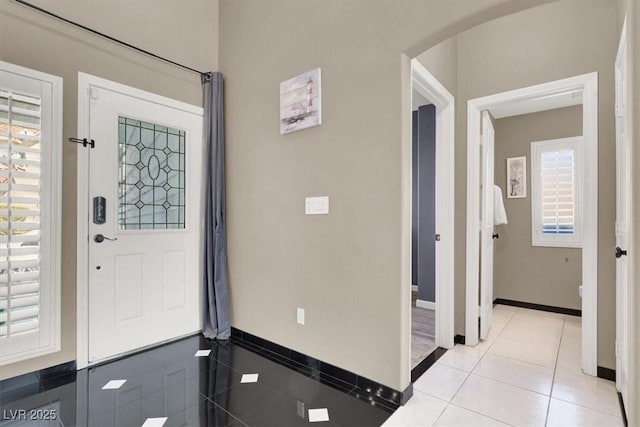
(151, 176)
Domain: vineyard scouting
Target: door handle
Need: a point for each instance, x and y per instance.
(99, 238)
(620, 252)
(495, 236)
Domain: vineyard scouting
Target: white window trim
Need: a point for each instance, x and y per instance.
(51, 196)
(556, 241)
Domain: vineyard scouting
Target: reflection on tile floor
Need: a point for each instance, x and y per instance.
(168, 386)
(527, 372)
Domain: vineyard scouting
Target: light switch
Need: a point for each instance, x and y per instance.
(301, 316)
(316, 205)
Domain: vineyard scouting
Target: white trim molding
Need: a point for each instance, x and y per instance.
(428, 86)
(429, 305)
(587, 86)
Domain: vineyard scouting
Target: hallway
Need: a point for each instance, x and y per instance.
(527, 372)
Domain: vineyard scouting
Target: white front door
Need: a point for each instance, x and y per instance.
(486, 233)
(622, 219)
(145, 222)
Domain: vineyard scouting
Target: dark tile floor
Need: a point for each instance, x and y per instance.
(169, 382)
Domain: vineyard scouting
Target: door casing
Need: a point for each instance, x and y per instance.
(623, 200)
(486, 238)
(587, 85)
(85, 83)
(428, 86)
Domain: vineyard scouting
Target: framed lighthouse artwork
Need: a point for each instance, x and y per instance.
(301, 102)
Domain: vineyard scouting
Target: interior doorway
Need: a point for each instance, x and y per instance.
(580, 89)
(432, 284)
(423, 229)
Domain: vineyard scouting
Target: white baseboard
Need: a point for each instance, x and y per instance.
(425, 304)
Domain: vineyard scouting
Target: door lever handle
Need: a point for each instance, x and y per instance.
(99, 238)
(620, 252)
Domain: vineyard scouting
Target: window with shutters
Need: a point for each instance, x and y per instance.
(30, 166)
(556, 183)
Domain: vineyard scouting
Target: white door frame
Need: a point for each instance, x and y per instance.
(587, 84)
(487, 194)
(622, 303)
(428, 86)
(85, 83)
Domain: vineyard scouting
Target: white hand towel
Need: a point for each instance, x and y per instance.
(499, 214)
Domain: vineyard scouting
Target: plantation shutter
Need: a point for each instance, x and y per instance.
(20, 166)
(558, 192)
(30, 206)
(556, 184)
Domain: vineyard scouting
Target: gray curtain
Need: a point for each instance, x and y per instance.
(216, 322)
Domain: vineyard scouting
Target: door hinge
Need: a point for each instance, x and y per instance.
(619, 109)
(621, 228)
(91, 143)
(617, 349)
(437, 237)
(93, 92)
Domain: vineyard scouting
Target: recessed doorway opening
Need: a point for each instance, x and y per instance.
(479, 266)
(432, 275)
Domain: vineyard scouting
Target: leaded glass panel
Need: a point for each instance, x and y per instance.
(151, 176)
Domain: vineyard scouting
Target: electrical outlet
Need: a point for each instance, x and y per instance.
(301, 316)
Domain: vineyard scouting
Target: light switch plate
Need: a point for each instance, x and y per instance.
(316, 205)
(301, 316)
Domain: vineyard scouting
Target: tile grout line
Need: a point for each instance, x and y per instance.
(449, 402)
(498, 381)
(224, 410)
(523, 361)
(512, 385)
(555, 370)
(518, 360)
(589, 408)
(503, 328)
(478, 413)
(441, 412)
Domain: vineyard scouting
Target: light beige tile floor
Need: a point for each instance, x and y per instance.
(526, 373)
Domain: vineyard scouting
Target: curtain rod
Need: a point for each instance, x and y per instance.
(113, 39)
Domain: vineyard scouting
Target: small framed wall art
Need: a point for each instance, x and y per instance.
(517, 178)
(301, 102)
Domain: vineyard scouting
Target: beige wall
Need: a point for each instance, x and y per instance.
(29, 39)
(442, 61)
(349, 269)
(546, 43)
(523, 272)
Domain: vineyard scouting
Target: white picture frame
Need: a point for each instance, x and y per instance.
(301, 102)
(517, 177)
